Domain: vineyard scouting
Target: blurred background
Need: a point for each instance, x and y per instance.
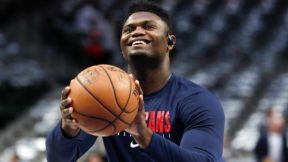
(236, 48)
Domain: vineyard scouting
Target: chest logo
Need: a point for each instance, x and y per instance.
(134, 145)
(158, 121)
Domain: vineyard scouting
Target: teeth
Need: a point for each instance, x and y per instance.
(138, 42)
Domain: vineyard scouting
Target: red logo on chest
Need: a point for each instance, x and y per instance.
(158, 121)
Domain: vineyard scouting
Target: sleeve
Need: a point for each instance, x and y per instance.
(202, 140)
(60, 148)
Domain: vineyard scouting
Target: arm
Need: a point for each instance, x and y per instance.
(202, 140)
(67, 142)
(203, 120)
(60, 148)
(191, 148)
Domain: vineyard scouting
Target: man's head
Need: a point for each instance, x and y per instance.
(148, 6)
(146, 34)
(276, 122)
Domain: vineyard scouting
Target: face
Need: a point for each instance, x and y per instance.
(144, 33)
(276, 122)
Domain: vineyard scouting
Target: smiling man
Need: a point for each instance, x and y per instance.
(177, 121)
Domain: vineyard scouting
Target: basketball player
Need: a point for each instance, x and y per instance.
(177, 121)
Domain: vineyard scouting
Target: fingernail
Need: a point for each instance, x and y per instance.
(137, 82)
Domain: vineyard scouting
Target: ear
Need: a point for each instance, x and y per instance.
(173, 39)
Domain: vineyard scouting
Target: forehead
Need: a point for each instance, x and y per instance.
(143, 16)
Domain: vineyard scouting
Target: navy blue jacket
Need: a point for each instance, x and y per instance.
(188, 126)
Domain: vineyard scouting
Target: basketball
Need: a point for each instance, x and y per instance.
(105, 100)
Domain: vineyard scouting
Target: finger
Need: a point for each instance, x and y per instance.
(72, 123)
(66, 103)
(65, 92)
(66, 113)
(141, 103)
(137, 84)
(131, 76)
(138, 87)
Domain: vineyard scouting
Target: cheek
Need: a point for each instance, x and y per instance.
(162, 44)
(123, 47)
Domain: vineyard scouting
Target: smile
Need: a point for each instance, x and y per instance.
(138, 42)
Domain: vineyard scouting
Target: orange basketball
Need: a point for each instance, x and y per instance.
(105, 100)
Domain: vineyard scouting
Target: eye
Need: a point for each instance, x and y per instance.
(149, 26)
(127, 29)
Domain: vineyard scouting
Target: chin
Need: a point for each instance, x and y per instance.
(143, 59)
(139, 52)
(135, 55)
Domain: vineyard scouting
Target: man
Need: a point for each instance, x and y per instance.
(272, 143)
(177, 120)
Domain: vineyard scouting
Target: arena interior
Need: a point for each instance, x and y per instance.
(238, 49)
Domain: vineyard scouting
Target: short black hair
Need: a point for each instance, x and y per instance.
(149, 6)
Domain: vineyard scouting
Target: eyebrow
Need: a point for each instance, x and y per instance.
(142, 22)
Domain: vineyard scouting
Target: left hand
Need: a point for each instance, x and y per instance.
(138, 129)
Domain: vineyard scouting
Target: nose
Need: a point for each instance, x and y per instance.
(139, 31)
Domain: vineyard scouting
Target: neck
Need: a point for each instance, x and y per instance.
(151, 79)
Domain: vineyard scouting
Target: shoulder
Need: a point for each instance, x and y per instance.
(188, 90)
(197, 101)
(186, 87)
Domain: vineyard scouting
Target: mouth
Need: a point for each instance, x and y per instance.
(138, 42)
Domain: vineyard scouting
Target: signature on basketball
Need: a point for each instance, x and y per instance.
(91, 75)
(112, 68)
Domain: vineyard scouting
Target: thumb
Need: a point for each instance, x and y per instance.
(141, 103)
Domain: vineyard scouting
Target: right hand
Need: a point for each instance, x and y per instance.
(69, 125)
